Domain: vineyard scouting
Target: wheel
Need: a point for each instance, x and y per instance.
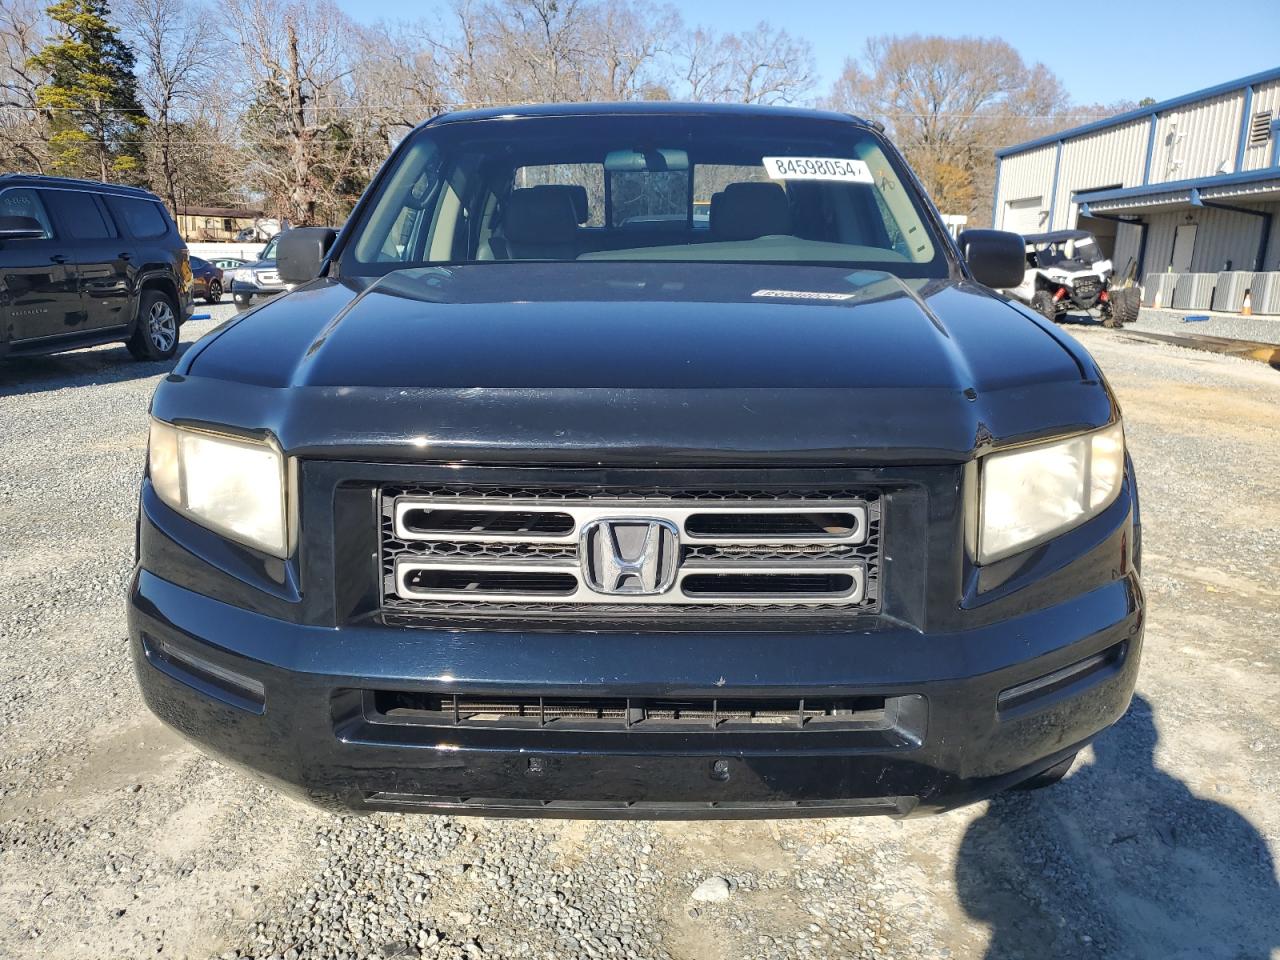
(215, 292)
(1125, 304)
(155, 333)
(242, 300)
(1043, 304)
(1047, 778)
(1109, 318)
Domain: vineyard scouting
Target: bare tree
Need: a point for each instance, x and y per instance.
(768, 65)
(948, 103)
(24, 129)
(398, 78)
(178, 52)
(510, 51)
(765, 65)
(629, 42)
(297, 58)
(526, 50)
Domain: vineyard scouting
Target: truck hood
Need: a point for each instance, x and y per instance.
(639, 363)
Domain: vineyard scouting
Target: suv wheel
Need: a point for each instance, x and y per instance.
(215, 292)
(155, 334)
(242, 300)
(1043, 304)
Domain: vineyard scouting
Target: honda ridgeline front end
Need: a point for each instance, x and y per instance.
(640, 461)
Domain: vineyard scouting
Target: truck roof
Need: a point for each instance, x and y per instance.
(644, 108)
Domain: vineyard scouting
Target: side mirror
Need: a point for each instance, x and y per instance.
(996, 258)
(20, 228)
(300, 252)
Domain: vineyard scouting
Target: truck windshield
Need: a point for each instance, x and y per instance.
(646, 187)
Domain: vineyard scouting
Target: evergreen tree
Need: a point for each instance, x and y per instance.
(96, 120)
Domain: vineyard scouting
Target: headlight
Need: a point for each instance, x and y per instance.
(233, 486)
(245, 276)
(1032, 494)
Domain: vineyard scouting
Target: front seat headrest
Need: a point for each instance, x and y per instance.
(744, 211)
(576, 193)
(535, 215)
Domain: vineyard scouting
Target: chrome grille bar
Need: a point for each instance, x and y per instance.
(464, 551)
(847, 583)
(852, 531)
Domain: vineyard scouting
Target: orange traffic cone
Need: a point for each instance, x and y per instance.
(1246, 309)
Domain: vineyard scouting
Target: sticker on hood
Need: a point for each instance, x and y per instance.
(817, 168)
(804, 294)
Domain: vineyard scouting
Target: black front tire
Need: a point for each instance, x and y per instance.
(1047, 778)
(1043, 304)
(155, 331)
(242, 300)
(1125, 304)
(215, 292)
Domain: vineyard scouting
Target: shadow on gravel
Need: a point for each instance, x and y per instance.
(22, 375)
(1122, 860)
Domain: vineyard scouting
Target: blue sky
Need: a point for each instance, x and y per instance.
(1168, 48)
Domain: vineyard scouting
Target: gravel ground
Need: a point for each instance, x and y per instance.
(1231, 326)
(117, 839)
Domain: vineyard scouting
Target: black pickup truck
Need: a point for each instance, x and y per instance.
(640, 461)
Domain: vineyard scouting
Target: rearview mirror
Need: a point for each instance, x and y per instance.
(647, 161)
(300, 252)
(996, 258)
(21, 228)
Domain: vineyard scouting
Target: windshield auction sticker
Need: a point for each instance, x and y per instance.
(817, 168)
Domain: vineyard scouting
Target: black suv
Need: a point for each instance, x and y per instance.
(645, 460)
(83, 263)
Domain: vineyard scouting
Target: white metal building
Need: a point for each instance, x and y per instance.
(1190, 185)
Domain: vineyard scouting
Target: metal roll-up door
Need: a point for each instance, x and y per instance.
(1023, 216)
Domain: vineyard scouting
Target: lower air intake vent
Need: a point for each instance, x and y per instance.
(443, 709)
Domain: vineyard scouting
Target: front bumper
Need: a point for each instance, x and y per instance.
(289, 702)
(243, 289)
(1086, 295)
(1090, 302)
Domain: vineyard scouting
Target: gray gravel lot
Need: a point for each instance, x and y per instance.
(117, 839)
(1257, 328)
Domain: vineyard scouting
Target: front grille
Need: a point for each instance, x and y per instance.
(606, 713)
(458, 551)
(1087, 288)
